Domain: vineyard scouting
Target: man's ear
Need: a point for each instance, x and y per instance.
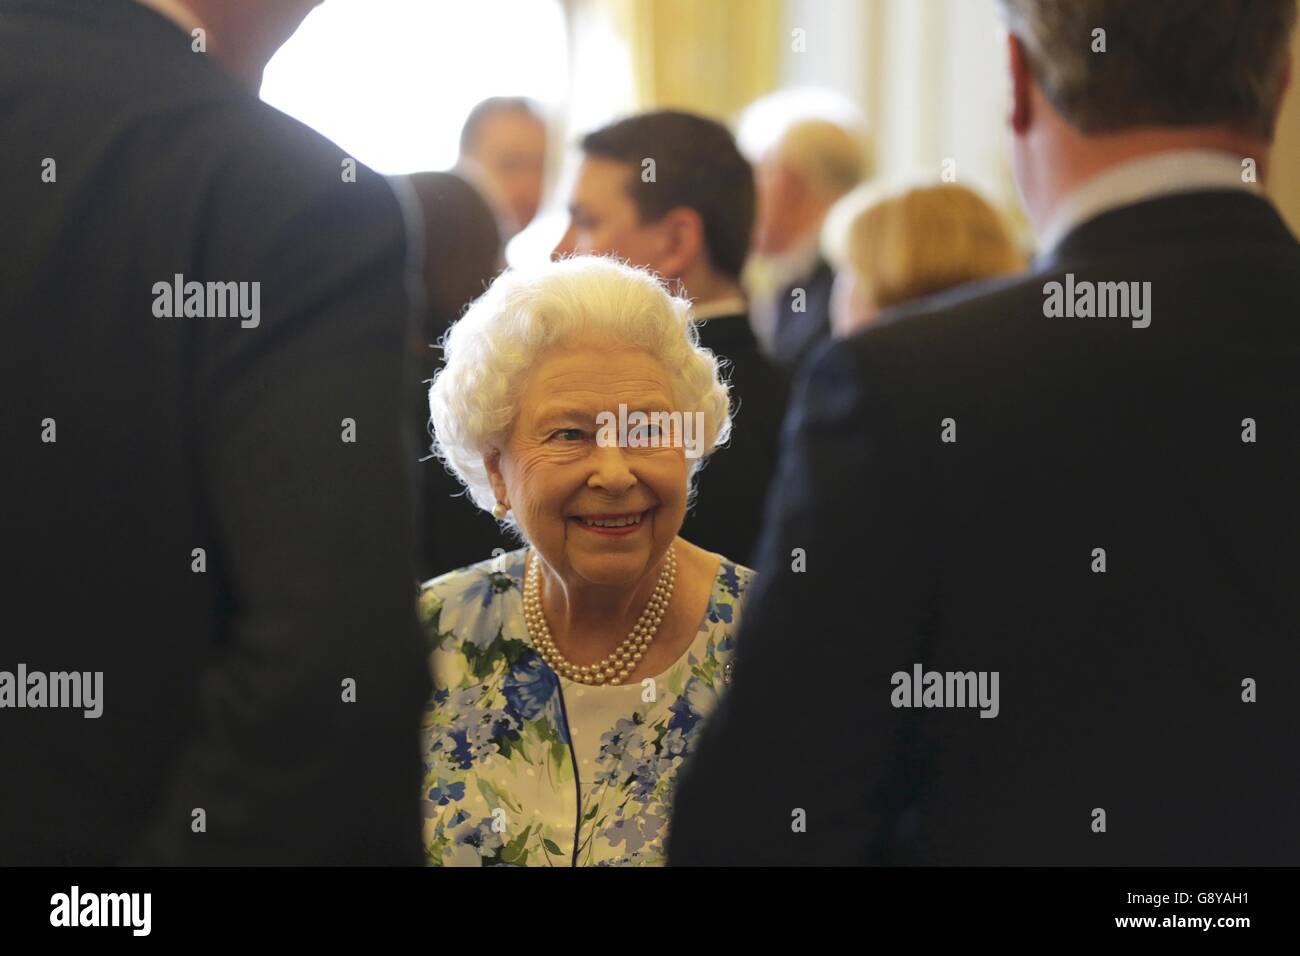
(492, 462)
(1022, 83)
(683, 243)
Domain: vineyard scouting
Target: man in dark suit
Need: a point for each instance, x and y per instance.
(803, 315)
(206, 502)
(689, 218)
(811, 165)
(1028, 588)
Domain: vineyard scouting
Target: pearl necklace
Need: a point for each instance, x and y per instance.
(618, 665)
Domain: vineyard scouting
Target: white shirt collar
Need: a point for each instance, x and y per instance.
(732, 305)
(176, 12)
(1161, 174)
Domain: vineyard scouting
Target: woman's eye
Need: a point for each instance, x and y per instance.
(568, 434)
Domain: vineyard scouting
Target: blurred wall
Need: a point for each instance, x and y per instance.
(931, 78)
(1284, 180)
(708, 56)
(929, 75)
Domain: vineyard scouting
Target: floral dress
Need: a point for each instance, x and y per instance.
(523, 767)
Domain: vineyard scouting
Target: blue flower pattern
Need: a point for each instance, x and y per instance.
(499, 783)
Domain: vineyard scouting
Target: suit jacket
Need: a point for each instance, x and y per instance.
(733, 484)
(798, 333)
(199, 529)
(1123, 732)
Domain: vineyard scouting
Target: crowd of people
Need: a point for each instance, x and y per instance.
(377, 579)
(745, 240)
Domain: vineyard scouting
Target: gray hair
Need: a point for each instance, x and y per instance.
(1166, 62)
(474, 398)
(829, 156)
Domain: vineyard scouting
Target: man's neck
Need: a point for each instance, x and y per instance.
(240, 36)
(177, 11)
(705, 287)
(1069, 162)
(1144, 179)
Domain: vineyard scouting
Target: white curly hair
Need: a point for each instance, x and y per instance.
(583, 299)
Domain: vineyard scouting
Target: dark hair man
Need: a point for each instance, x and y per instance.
(670, 192)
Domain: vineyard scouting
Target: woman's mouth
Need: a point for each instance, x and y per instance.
(612, 525)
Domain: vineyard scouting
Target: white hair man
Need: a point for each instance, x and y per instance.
(812, 164)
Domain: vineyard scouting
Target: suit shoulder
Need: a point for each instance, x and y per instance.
(969, 309)
(953, 329)
(274, 195)
(257, 143)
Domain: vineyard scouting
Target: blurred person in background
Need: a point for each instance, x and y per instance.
(503, 154)
(906, 244)
(461, 257)
(812, 164)
(689, 219)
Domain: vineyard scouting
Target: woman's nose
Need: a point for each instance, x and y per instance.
(611, 472)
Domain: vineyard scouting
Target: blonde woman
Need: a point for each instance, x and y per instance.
(910, 243)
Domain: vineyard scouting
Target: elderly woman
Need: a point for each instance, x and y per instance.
(573, 675)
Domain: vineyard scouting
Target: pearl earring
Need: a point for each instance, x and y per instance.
(500, 511)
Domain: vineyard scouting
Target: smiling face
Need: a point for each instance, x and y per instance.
(558, 480)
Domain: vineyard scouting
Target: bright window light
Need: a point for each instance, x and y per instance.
(391, 81)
